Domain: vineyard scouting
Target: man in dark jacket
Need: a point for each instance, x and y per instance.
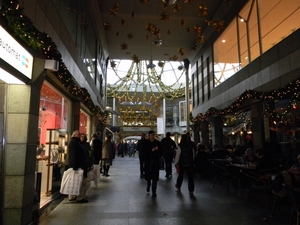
(141, 149)
(77, 160)
(152, 156)
(168, 148)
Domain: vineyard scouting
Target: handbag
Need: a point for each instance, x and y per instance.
(71, 182)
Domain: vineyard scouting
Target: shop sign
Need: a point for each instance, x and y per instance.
(14, 54)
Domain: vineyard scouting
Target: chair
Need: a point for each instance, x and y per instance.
(294, 194)
(220, 173)
(255, 184)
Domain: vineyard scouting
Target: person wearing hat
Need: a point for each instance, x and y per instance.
(152, 156)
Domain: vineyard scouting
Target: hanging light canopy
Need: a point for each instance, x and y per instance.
(170, 2)
(142, 77)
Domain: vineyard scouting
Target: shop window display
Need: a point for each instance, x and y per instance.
(53, 140)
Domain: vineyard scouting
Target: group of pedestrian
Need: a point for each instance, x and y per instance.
(152, 150)
(92, 157)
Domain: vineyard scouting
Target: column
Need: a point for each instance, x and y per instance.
(217, 130)
(257, 127)
(21, 116)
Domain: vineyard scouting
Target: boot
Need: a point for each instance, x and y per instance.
(106, 171)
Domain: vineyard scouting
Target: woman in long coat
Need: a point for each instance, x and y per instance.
(108, 153)
(152, 162)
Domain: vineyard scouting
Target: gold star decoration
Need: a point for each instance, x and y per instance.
(218, 24)
(197, 29)
(194, 47)
(176, 7)
(124, 46)
(164, 16)
(135, 59)
(130, 36)
(150, 28)
(106, 26)
(112, 64)
(181, 51)
(123, 21)
(173, 58)
(200, 38)
(115, 9)
(202, 10)
(161, 64)
(208, 22)
(182, 22)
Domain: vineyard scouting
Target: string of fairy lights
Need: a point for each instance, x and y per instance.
(23, 28)
(289, 92)
(139, 77)
(12, 14)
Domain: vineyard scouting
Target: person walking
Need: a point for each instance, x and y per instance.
(168, 149)
(184, 159)
(77, 160)
(97, 155)
(141, 149)
(108, 152)
(152, 156)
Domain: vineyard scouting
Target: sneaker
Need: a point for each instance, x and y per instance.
(177, 187)
(148, 188)
(82, 201)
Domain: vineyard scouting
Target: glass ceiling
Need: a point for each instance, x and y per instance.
(170, 72)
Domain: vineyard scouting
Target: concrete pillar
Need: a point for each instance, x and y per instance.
(217, 130)
(20, 114)
(257, 125)
(204, 133)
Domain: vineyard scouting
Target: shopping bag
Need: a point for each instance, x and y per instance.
(90, 174)
(71, 182)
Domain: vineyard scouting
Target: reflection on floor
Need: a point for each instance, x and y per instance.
(122, 199)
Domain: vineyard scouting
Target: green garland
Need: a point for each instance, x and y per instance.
(289, 91)
(24, 29)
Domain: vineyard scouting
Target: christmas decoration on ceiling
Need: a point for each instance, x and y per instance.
(166, 13)
(140, 78)
(23, 28)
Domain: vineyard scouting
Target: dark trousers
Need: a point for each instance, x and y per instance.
(154, 185)
(168, 164)
(190, 173)
(142, 165)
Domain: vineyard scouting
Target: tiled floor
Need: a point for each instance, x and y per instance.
(122, 199)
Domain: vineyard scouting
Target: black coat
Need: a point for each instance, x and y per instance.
(77, 156)
(152, 160)
(97, 150)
